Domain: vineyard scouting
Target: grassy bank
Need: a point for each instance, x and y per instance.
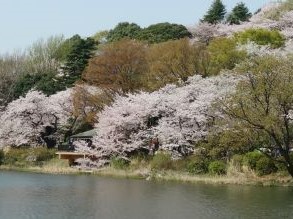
(56, 166)
(236, 179)
(160, 167)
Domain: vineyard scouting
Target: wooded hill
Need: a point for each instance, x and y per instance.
(222, 87)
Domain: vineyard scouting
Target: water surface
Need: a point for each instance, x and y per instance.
(26, 195)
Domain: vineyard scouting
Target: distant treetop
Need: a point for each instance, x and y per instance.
(239, 14)
(155, 33)
(123, 30)
(216, 13)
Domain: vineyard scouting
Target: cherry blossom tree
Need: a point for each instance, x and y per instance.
(177, 116)
(34, 119)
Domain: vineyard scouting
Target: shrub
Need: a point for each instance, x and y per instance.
(218, 153)
(180, 165)
(1, 157)
(28, 156)
(48, 83)
(237, 161)
(250, 159)
(265, 166)
(217, 168)
(119, 163)
(197, 165)
(161, 161)
(15, 157)
(261, 36)
(43, 154)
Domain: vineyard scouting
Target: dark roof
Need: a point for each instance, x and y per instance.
(87, 134)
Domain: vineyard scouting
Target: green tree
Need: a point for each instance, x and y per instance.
(76, 59)
(101, 36)
(12, 67)
(223, 54)
(41, 56)
(239, 14)
(123, 30)
(180, 60)
(66, 47)
(74, 53)
(48, 83)
(216, 13)
(163, 32)
(263, 104)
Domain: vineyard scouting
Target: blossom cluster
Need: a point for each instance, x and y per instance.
(25, 120)
(177, 116)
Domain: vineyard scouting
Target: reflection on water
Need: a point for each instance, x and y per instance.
(24, 195)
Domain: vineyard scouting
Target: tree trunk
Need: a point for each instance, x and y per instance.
(289, 165)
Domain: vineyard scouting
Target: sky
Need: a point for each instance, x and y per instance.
(24, 22)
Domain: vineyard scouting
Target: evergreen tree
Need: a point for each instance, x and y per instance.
(216, 13)
(77, 58)
(239, 14)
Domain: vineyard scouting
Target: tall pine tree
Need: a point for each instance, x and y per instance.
(239, 14)
(76, 59)
(216, 13)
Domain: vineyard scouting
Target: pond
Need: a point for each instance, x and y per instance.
(28, 195)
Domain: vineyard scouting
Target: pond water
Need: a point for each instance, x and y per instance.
(27, 195)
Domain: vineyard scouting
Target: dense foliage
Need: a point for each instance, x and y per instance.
(155, 33)
(28, 156)
(163, 32)
(223, 55)
(260, 36)
(124, 30)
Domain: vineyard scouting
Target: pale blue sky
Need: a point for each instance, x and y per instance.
(25, 21)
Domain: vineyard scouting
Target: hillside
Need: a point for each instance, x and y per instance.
(209, 92)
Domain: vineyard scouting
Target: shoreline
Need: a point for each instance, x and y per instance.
(167, 176)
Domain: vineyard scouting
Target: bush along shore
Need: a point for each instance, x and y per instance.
(252, 168)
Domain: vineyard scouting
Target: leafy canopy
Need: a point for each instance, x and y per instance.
(163, 32)
(155, 33)
(123, 30)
